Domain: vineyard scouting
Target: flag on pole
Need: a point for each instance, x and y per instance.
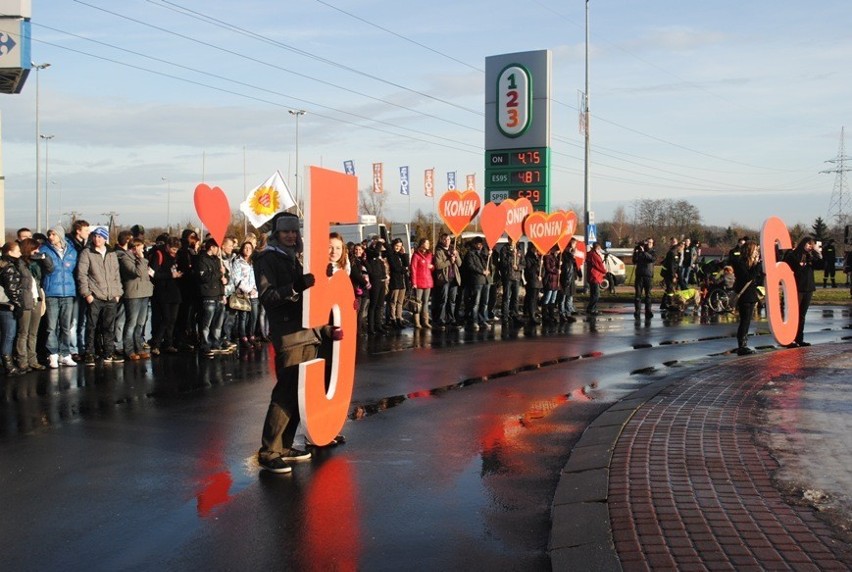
(349, 167)
(403, 181)
(266, 200)
(471, 182)
(429, 182)
(378, 183)
(451, 180)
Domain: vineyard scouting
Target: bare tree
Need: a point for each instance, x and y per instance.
(372, 203)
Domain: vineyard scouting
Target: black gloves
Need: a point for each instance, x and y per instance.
(303, 282)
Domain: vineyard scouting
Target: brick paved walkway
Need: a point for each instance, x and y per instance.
(689, 489)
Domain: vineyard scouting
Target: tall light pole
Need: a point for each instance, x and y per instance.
(59, 218)
(298, 113)
(586, 202)
(168, 204)
(47, 139)
(38, 67)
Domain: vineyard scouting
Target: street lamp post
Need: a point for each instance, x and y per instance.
(38, 67)
(168, 204)
(47, 139)
(297, 113)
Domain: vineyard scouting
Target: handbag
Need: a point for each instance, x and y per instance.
(239, 301)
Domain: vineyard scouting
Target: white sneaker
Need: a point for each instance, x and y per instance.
(54, 361)
(67, 360)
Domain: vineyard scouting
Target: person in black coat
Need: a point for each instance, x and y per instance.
(398, 263)
(167, 297)
(802, 260)
(748, 274)
(533, 267)
(377, 271)
(643, 259)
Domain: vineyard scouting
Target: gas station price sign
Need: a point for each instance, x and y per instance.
(518, 173)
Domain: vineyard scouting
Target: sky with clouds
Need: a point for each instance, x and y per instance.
(734, 106)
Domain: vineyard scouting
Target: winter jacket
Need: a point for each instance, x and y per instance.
(242, 277)
(644, 259)
(421, 274)
(376, 269)
(597, 270)
(17, 283)
(134, 277)
(398, 262)
(568, 273)
(166, 288)
(358, 277)
(802, 263)
(98, 275)
(277, 270)
(208, 273)
(743, 274)
(473, 266)
(60, 283)
(532, 265)
(511, 264)
(445, 269)
(550, 280)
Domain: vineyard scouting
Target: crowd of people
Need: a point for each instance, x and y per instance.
(71, 298)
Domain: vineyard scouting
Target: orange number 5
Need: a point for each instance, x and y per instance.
(332, 196)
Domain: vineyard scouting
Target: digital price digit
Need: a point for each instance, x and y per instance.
(534, 195)
(514, 97)
(527, 177)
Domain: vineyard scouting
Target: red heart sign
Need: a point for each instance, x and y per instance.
(544, 230)
(493, 222)
(516, 212)
(213, 210)
(457, 209)
(571, 222)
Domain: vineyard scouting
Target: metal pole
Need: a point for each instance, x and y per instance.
(586, 201)
(38, 67)
(47, 139)
(297, 113)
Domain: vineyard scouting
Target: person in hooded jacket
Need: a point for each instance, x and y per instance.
(17, 282)
(38, 265)
(60, 289)
(281, 280)
(533, 270)
(166, 298)
(78, 239)
(99, 282)
(138, 289)
(377, 271)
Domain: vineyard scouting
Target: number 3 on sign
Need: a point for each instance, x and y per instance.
(779, 277)
(514, 99)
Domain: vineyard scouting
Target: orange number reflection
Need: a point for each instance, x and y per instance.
(331, 197)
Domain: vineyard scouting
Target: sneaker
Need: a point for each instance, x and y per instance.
(114, 358)
(296, 455)
(89, 360)
(67, 361)
(54, 361)
(276, 465)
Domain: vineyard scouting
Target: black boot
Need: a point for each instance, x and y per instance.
(636, 309)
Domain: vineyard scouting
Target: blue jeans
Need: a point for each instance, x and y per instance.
(60, 315)
(209, 309)
(472, 298)
(135, 312)
(246, 321)
(8, 331)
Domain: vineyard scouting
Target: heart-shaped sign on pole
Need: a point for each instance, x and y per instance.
(516, 212)
(457, 209)
(571, 226)
(544, 230)
(213, 210)
(493, 222)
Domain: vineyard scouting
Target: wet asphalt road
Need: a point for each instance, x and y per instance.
(454, 449)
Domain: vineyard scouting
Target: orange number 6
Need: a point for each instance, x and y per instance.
(779, 276)
(331, 197)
